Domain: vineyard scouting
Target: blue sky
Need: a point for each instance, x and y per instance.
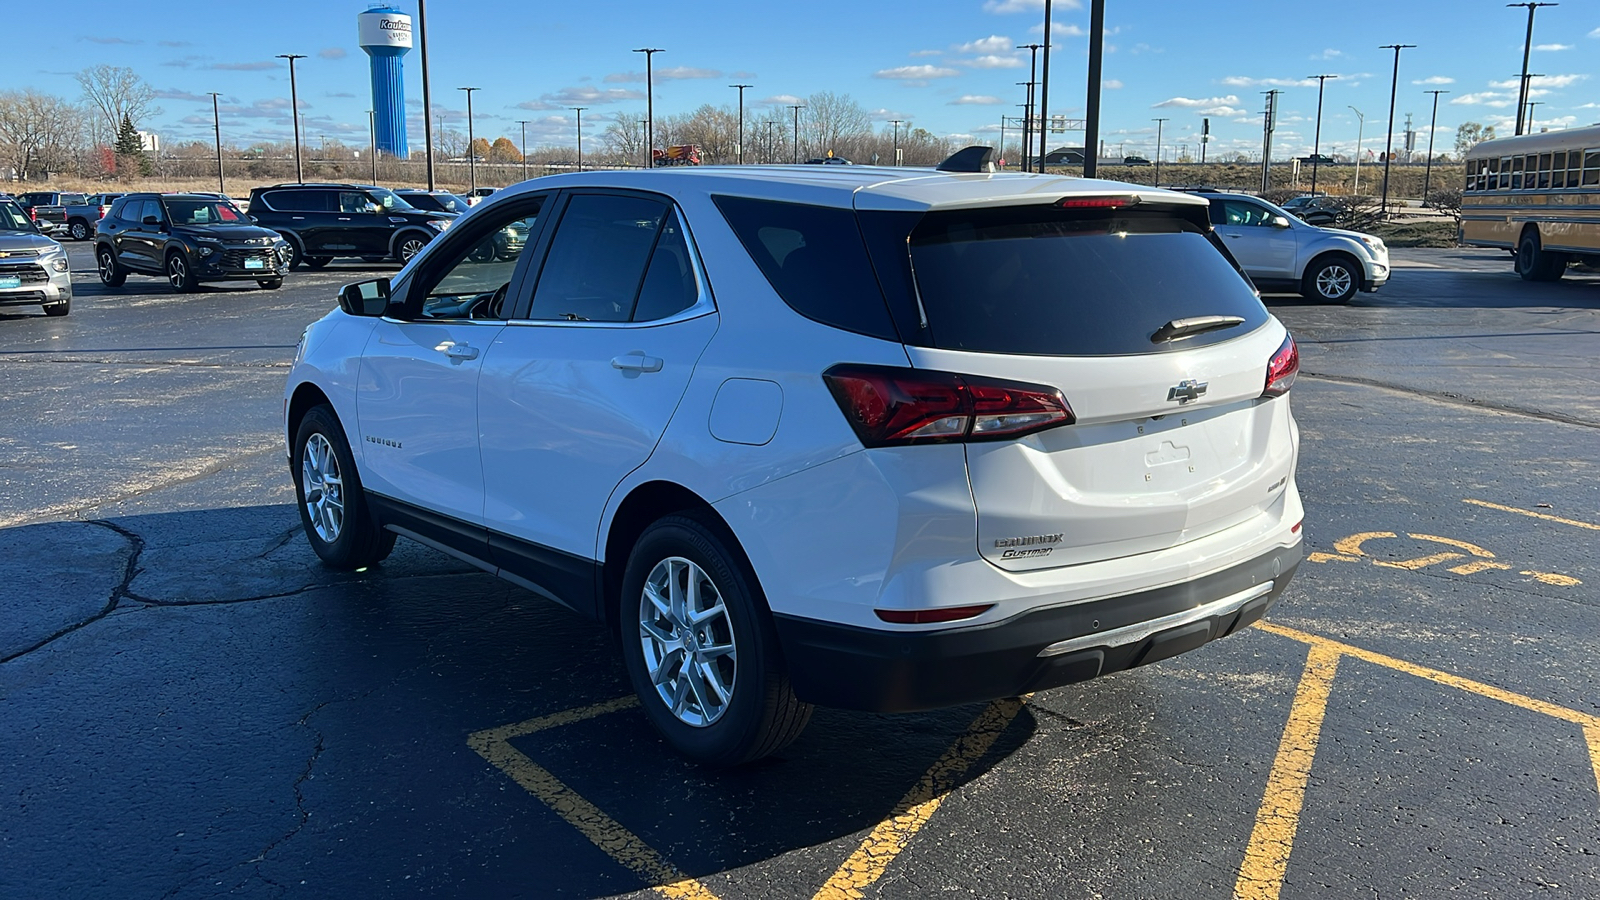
(944, 65)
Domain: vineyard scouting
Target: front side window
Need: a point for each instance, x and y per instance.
(475, 280)
(388, 199)
(596, 263)
(151, 209)
(356, 202)
(203, 212)
(1239, 212)
(12, 218)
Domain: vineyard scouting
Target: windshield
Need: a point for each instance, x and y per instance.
(12, 218)
(203, 212)
(74, 199)
(388, 198)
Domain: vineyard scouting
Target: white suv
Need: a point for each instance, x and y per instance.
(1280, 251)
(882, 439)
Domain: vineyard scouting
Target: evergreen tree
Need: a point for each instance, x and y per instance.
(128, 139)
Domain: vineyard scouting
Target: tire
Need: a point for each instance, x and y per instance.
(337, 522)
(317, 262)
(297, 259)
(112, 274)
(750, 710)
(1334, 278)
(1533, 263)
(59, 309)
(79, 229)
(180, 275)
(407, 246)
(269, 284)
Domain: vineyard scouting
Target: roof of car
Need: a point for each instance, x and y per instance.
(865, 187)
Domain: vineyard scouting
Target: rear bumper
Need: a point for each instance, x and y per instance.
(903, 671)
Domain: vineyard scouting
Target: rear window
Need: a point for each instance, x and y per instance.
(74, 199)
(1052, 282)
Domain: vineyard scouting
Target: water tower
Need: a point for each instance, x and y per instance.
(386, 36)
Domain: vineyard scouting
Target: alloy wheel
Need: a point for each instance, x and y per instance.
(107, 266)
(323, 487)
(80, 231)
(410, 247)
(1333, 281)
(688, 642)
(177, 271)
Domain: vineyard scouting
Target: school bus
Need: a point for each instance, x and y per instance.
(1537, 195)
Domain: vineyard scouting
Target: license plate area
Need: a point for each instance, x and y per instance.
(255, 264)
(10, 281)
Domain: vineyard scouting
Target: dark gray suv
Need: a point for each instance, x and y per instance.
(325, 221)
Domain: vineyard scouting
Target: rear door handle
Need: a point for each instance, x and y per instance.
(637, 362)
(461, 351)
(1233, 235)
(297, 218)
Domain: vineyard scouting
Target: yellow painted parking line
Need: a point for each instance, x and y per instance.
(1418, 563)
(1266, 859)
(868, 863)
(603, 831)
(1533, 515)
(1591, 733)
(1474, 549)
(1552, 578)
(1351, 546)
(1482, 565)
(1320, 557)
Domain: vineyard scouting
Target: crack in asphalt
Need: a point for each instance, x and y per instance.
(130, 571)
(1455, 399)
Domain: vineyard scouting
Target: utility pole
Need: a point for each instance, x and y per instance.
(294, 110)
(472, 156)
(1091, 130)
(1003, 140)
(1316, 142)
(1159, 123)
(1526, 92)
(1205, 138)
(1027, 116)
(1527, 47)
(1433, 124)
(1361, 125)
(649, 106)
(797, 109)
(579, 110)
(216, 117)
(1388, 150)
(896, 123)
(372, 142)
(1269, 124)
(740, 145)
(427, 97)
(1033, 81)
(524, 147)
(1531, 105)
(772, 152)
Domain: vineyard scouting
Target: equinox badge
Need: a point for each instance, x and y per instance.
(1187, 390)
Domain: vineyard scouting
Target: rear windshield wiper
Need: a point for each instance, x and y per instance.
(1182, 328)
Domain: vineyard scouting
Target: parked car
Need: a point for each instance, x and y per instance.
(1135, 161)
(189, 239)
(48, 208)
(476, 195)
(1281, 252)
(719, 410)
(325, 221)
(434, 201)
(1313, 209)
(81, 218)
(33, 268)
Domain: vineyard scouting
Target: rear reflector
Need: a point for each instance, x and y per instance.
(1282, 368)
(1096, 202)
(930, 616)
(889, 406)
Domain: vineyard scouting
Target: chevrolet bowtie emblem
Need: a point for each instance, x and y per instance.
(1187, 391)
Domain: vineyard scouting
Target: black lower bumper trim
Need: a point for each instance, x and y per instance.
(897, 671)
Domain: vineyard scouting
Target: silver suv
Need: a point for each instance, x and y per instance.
(1282, 252)
(33, 268)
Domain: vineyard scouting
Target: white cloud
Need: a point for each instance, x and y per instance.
(1483, 98)
(1539, 81)
(994, 43)
(1242, 81)
(1190, 103)
(975, 100)
(578, 96)
(1595, 33)
(671, 73)
(1065, 29)
(993, 62)
(1435, 79)
(1552, 47)
(780, 100)
(1003, 7)
(1329, 53)
(915, 73)
(1221, 112)
(1111, 84)
(925, 53)
(1142, 47)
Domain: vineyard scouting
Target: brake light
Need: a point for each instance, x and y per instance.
(1282, 368)
(1096, 202)
(890, 406)
(929, 616)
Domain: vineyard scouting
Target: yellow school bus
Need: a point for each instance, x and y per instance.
(1537, 195)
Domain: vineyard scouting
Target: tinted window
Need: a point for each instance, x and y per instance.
(814, 257)
(669, 284)
(473, 282)
(356, 202)
(73, 199)
(119, 209)
(597, 258)
(1045, 281)
(151, 209)
(300, 201)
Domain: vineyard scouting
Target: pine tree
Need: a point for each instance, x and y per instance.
(128, 139)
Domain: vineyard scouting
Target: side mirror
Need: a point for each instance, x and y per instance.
(150, 220)
(365, 298)
(1280, 222)
(253, 220)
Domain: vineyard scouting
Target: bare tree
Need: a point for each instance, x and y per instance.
(833, 122)
(115, 92)
(624, 139)
(714, 129)
(39, 133)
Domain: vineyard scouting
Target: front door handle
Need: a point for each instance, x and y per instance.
(344, 218)
(461, 351)
(637, 362)
(1233, 235)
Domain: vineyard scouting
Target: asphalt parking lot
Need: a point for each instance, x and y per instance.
(190, 706)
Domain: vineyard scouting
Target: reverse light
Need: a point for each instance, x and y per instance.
(1282, 368)
(1096, 202)
(930, 616)
(890, 406)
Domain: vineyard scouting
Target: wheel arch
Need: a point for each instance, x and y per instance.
(305, 397)
(1323, 254)
(394, 242)
(1523, 235)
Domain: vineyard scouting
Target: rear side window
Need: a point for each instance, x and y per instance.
(299, 201)
(596, 261)
(815, 259)
(1050, 282)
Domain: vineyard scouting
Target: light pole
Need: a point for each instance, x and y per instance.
(1527, 91)
(579, 110)
(1091, 122)
(372, 142)
(427, 97)
(1159, 124)
(1033, 79)
(740, 145)
(1361, 124)
(1531, 105)
(1432, 125)
(294, 111)
(1027, 117)
(1097, 21)
(524, 147)
(216, 117)
(649, 106)
(896, 124)
(797, 109)
(1316, 142)
(1388, 150)
(472, 157)
(1269, 124)
(1527, 47)
(771, 146)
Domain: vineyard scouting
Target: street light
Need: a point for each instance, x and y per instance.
(797, 109)
(1527, 47)
(1527, 91)
(427, 97)
(1531, 105)
(1033, 79)
(1388, 150)
(472, 158)
(294, 111)
(740, 144)
(1097, 21)
(1361, 124)
(896, 124)
(649, 106)
(772, 152)
(216, 117)
(372, 142)
(1433, 125)
(1159, 123)
(579, 110)
(1316, 142)
(524, 124)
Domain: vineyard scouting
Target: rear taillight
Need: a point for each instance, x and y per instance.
(104, 210)
(890, 406)
(1096, 202)
(1282, 368)
(930, 616)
